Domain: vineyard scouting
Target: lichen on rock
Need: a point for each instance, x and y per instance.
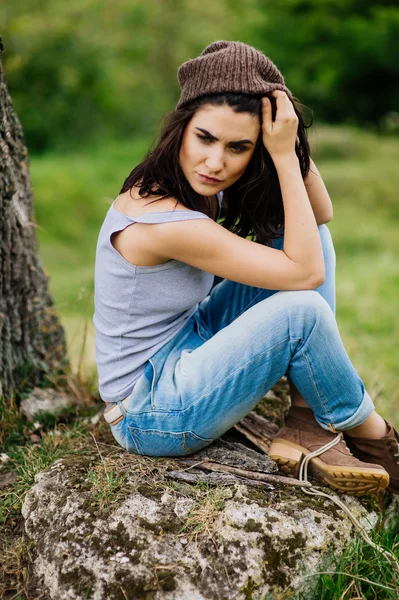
(167, 540)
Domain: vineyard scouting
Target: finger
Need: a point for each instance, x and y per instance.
(281, 96)
(285, 108)
(282, 99)
(267, 112)
(279, 93)
(283, 105)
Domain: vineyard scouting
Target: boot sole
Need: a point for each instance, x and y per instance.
(354, 481)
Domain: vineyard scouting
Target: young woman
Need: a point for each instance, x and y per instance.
(178, 367)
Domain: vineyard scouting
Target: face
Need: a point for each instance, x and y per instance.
(217, 146)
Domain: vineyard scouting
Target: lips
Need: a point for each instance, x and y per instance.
(207, 179)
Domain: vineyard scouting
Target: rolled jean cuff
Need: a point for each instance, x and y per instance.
(365, 409)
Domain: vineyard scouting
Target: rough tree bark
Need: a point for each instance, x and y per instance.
(32, 340)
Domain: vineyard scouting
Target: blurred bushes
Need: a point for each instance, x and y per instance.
(339, 56)
(86, 70)
(60, 91)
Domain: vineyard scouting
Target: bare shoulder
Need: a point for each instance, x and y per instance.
(135, 243)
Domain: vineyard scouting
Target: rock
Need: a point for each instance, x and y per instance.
(171, 541)
(7, 479)
(45, 400)
(3, 459)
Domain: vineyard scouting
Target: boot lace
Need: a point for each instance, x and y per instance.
(314, 491)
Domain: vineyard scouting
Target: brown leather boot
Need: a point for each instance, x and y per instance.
(384, 451)
(336, 467)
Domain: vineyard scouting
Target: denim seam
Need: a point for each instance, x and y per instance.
(185, 447)
(184, 436)
(154, 377)
(313, 380)
(176, 434)
(135, 442)
(159, 432)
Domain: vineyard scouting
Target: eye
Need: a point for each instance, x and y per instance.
(205, 138)
(239, 149)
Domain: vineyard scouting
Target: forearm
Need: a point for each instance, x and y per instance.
(318, 195)
(301, 236)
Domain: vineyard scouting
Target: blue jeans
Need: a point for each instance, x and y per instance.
(240, 341)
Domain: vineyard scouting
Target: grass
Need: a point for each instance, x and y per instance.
(362, 573)
(72, 194)
(201, 519)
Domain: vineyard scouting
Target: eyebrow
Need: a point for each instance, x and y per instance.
(217, 139)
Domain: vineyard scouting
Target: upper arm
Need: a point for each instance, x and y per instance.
(204, 244)
(318, 195)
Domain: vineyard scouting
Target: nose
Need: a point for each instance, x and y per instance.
(215, 160)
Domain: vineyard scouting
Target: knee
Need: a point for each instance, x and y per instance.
(307, 311)
(306, 305)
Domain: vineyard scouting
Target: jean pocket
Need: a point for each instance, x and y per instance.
(153, 442)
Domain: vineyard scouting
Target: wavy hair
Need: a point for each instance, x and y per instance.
(254, 202)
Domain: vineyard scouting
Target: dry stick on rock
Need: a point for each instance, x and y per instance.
(266, 477)
(216, 479)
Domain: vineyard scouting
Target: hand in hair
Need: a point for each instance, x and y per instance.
(279, 136)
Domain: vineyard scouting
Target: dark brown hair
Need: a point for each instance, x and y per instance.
(255, 207)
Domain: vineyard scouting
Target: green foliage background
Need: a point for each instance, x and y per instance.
(88, 69)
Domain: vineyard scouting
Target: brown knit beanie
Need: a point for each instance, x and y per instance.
(228, 67)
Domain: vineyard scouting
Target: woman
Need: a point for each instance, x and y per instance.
(178, 367)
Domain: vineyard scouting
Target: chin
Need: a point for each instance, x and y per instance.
(202, 189)
(198, 188)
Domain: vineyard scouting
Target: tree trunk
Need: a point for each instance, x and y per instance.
(32, 340)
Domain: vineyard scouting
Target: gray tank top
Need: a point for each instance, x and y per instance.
(138, 309)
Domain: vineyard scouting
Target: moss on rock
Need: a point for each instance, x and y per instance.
(157, 541)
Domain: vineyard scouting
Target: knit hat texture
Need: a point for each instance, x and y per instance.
(228, 67)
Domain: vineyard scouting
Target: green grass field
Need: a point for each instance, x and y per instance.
(73, 192)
